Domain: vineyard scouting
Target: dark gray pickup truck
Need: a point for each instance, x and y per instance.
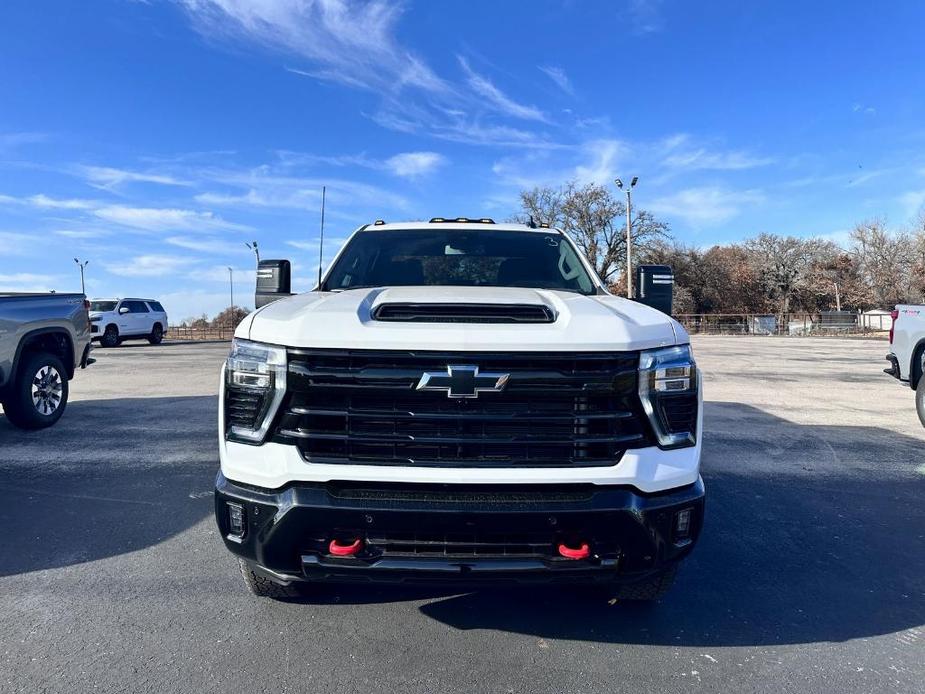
(44, 338)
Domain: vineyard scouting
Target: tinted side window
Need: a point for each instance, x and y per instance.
(156, 306)
(136, 306)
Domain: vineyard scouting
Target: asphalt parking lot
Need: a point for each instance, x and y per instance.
(810, 575)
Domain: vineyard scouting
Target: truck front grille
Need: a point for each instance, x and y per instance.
(362, 407)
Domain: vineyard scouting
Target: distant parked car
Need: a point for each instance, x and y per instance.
(44, 338)
(115, 320)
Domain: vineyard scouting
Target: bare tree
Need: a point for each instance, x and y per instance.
(596, 221)
(785, 263)
(887, 262)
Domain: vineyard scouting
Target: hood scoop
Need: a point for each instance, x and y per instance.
(404, 312)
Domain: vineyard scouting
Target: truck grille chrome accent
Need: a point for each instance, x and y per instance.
(362, 407)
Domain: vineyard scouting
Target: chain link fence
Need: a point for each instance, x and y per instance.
(184, 333)
(825, 323)
(795, 324)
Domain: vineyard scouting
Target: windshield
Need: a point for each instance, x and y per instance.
(459, 259)
(103, 305)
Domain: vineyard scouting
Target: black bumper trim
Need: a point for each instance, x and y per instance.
(286, 530)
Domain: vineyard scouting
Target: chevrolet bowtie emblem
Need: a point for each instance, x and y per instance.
(460, 381)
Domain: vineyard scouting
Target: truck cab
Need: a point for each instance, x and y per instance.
(460, 401)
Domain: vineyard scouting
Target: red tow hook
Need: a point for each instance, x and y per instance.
(582, 552)
(341, 550)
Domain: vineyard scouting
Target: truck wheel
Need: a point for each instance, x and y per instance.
(920, 400)
(39, 392)
(264, 587)
(649, 590)
(110, 337)
(157, 334)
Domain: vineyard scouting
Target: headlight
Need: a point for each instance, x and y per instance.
(255, 383)
(668, 388)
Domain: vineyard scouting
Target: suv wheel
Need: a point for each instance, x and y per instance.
(260, 585)
(157, 334)
(110, 337)
(39, 393)
(920, 400)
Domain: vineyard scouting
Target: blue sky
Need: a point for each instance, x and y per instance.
(155, 138)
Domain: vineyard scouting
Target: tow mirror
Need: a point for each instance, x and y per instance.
(274, 281)
(654, 287)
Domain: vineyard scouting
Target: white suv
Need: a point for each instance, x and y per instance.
(114, 320)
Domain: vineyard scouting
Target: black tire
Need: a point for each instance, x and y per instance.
(110, 337)
(920, 400)
(157, 334)
(263, 587)
(649, 590)
(38, 395)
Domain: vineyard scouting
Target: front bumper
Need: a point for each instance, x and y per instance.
(458, 533)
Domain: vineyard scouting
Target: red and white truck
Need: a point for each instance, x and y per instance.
(907, 351)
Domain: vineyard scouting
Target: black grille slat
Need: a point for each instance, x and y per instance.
(363, 407)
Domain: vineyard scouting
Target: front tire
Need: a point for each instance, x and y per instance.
(157, 334)
(651, 589)
(110, 337)
(264, 587)
(39, 392)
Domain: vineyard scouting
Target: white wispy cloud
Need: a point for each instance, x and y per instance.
(482, 86)
(406, 164)
(682, 153)
(602, 162)
(912, 201)
(15, 243)
(109, 178)
(13, 140)
(46, 202)
(646, 16)
(703, 206)
(166, 219)
(203, 245)
(346, 42)
(413, 164)
(151, 265)
(81, 233)
(557, 75)
(29, 282)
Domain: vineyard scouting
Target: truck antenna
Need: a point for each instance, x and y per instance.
(321, 241)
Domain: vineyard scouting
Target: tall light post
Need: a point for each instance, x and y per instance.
(231, 286)
(253, 247)
(629, 233)
(82, 265)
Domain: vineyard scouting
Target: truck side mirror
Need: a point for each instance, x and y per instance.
(654, 287)
(123, 310)
(274, 281)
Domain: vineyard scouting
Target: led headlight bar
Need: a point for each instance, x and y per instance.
(668, 389)
(255, 383)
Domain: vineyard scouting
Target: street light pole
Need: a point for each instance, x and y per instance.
(837, 298)
(82, 265)
(629, 233)
(253, 247)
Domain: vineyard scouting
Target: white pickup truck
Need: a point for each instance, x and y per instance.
(459, 401)
(907, 351)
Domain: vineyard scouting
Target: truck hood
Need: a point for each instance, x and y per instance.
(344, 320)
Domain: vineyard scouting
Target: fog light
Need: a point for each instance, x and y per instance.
(236, 519)
(682, 524)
